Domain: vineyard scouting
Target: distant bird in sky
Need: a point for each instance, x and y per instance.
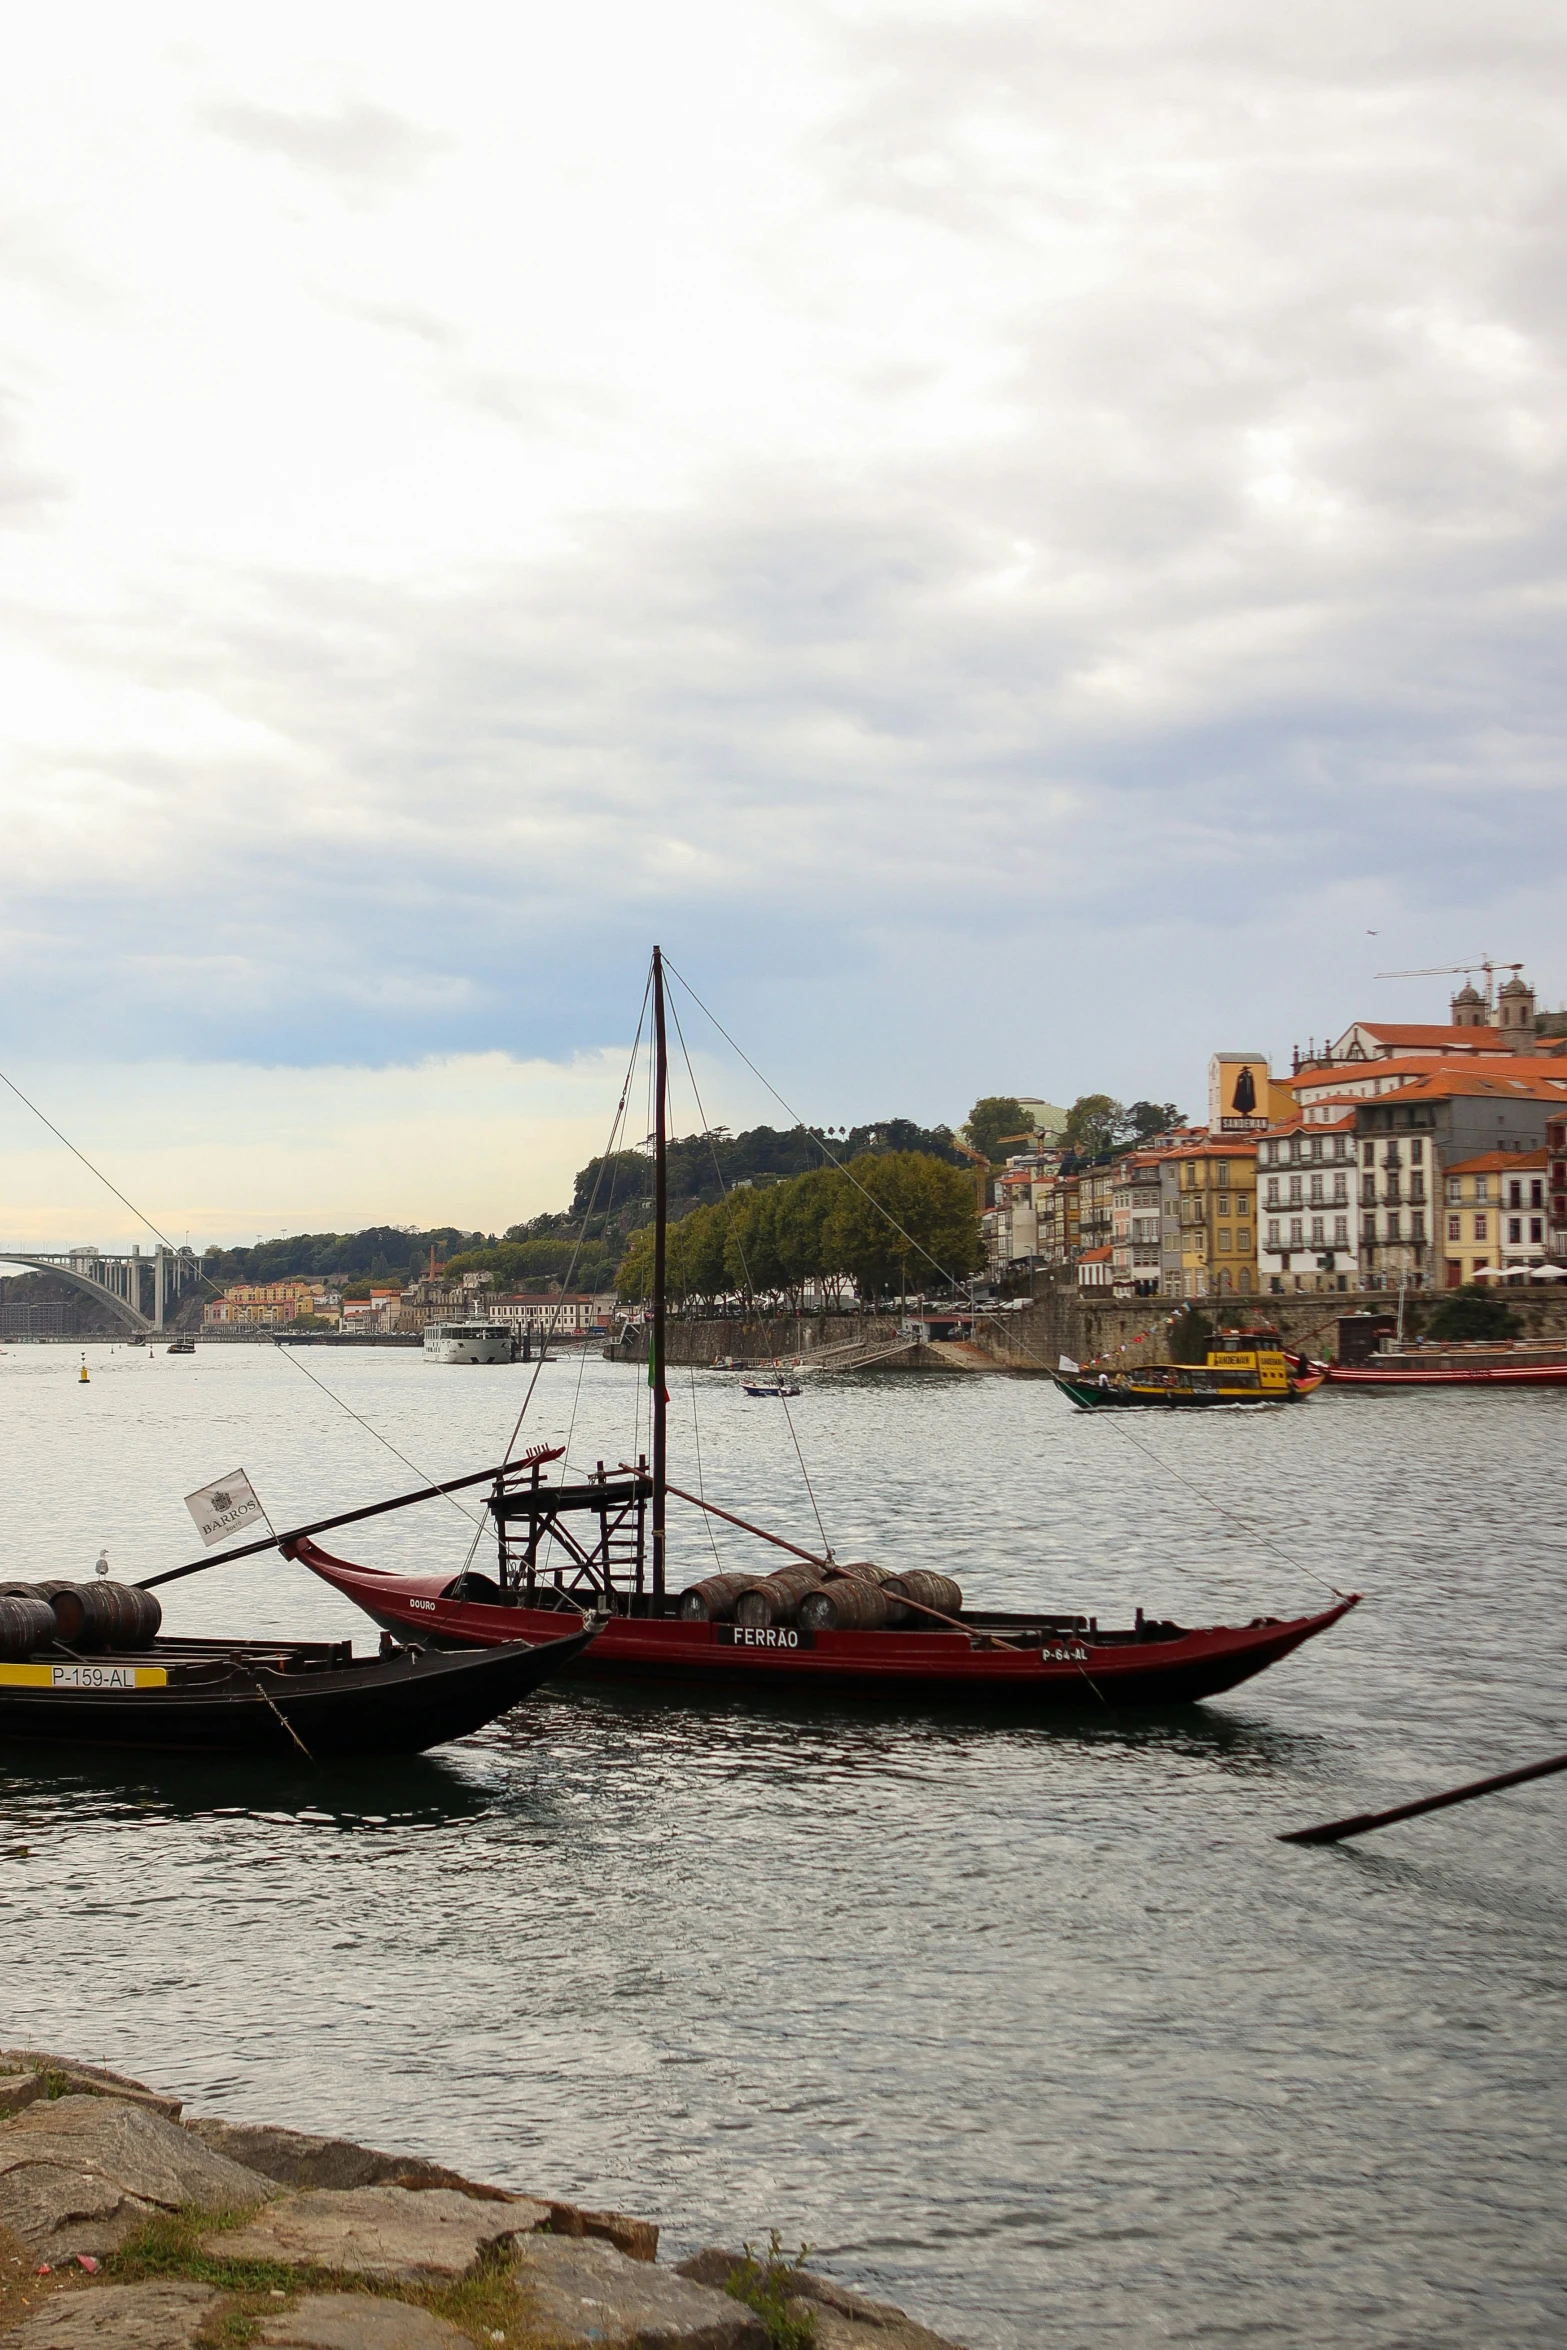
(1373, 934)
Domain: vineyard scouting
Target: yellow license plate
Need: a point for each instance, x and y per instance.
(83, 1677)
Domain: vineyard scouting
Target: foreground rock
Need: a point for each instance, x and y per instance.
(354, 2321)
(392, 2235)
(844, 2320)
(577, 2291)
(119, 2317)
(27, 2074)
(296, 2159)
(82, 2174)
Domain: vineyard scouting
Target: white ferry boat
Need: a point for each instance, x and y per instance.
(467, 1342)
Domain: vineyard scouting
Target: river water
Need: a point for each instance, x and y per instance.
(1038, 2031)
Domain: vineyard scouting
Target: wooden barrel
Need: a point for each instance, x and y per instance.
(861, 1569)
(846, 1604)
(930, 1589)
(773, 1599)
(712, 1601)
(26, 1625)
(70, 1611)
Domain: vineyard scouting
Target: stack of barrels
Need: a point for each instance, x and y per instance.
(84, 1617)
(857, 1597)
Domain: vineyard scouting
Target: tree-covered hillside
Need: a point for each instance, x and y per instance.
(577, 1244)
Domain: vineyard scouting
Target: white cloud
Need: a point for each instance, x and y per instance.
(948, 514)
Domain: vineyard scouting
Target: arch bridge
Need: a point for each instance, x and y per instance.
(140, 1289)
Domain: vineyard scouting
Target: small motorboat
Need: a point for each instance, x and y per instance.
(114, 1684)
(770, 1387)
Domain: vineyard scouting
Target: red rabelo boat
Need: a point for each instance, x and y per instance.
(596, 1549)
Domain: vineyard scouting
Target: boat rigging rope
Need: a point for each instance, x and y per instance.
(745, 1268)
(292, 1356)
(206, 1278)
(141, 1218)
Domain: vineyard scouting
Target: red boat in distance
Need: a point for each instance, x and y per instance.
(1476, 1363)
(595, 1550)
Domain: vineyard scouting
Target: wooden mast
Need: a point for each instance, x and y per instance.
(660, 1234)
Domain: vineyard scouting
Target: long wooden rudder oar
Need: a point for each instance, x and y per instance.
(1334, 1831)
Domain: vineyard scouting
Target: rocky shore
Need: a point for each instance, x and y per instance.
(124, 2226)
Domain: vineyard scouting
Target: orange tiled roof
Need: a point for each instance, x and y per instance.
(1497, 1163)
(1518, 1080)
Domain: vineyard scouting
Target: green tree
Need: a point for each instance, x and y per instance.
(903, 1221)
(1147, 1119)
(1094, 1123)
(992, 1118)
(800, 1227)
(634, 1280)
(1471, 1312)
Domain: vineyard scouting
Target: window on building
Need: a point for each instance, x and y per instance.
(1392, 1224)
(1455, 1189)
(1273, 1232)
(1515, 1194)
(1482, 1227)
(1317, 1232)
(1417, 1151)
(1482, 1187)
(1514, 1231)
(1455, 1228)
(1295, 1192)
(1536, 1229)
(1368, 1151)
(1341, 1232)
(1417, 1227)
(1340, 1190)
(1537, 1192)
(1273, 1191)
(1297, 1232)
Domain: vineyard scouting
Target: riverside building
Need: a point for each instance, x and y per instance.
(1208, 1246)
(1407, 1142)
(1494, 1214)
(1307, 1205)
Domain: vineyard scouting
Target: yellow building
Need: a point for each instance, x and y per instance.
(1493, 1212)
(1215, 1194)
(273, 1301)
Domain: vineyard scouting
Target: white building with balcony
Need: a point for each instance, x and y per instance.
(1308, 1206)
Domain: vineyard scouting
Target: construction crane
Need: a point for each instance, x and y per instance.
(1453, 970)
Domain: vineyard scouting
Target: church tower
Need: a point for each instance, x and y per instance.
(1515, 1013)
(1469, 1007)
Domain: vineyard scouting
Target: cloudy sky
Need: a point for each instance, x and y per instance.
(1014, 539)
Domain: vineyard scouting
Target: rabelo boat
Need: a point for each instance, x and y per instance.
(595, 1548)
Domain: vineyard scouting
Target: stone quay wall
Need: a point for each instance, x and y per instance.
(1061, 1319)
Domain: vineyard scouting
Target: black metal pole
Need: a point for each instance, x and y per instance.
(660, 1236)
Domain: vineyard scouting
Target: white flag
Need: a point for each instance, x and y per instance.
(1067, 1364)
(222, 1509)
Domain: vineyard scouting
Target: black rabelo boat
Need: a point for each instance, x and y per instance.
(119, 1681)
